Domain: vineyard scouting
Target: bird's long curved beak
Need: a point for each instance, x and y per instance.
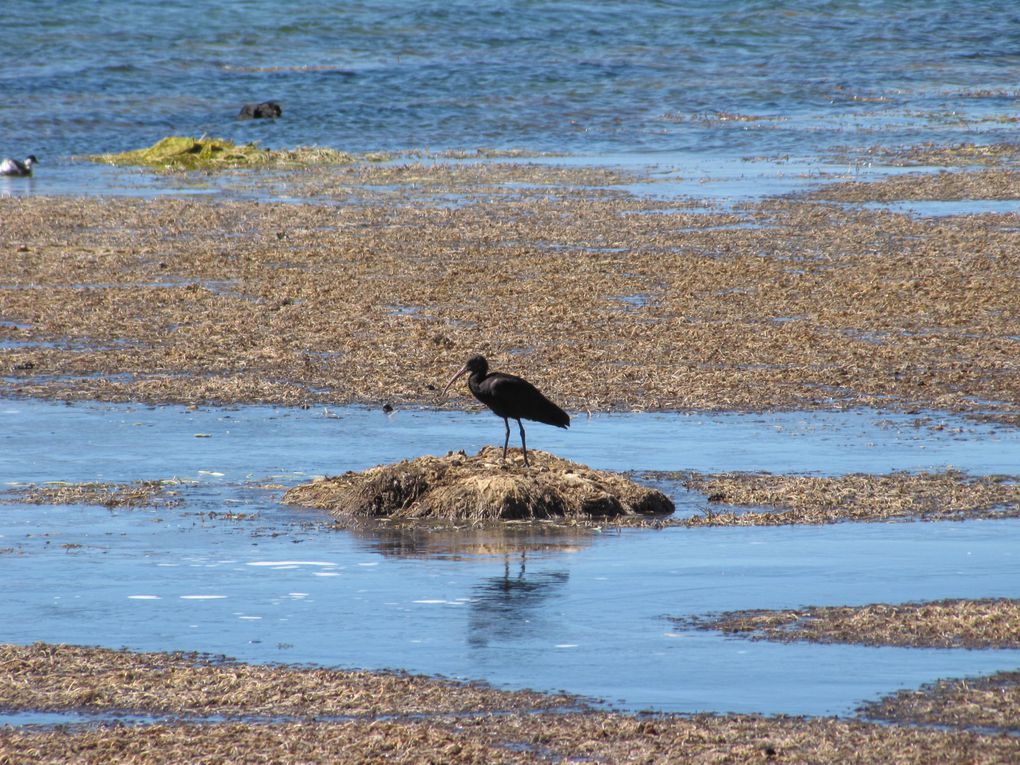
(463, 370)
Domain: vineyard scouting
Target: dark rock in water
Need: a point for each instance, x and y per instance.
(267, 109)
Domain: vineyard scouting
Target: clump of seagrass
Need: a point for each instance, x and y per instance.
(185, 153)
(975, 624)
(158, 493)
(949, 495)
(988, 702)
(482, 488)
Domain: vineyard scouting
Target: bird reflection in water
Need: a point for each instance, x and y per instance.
(476, 543)
(502, 608)
(509, 607)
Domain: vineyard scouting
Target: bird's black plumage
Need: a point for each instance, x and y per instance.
(510, 397)
(9, 166)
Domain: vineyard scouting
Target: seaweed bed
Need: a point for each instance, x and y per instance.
(988, 703)
(230, 712)
(947, 495)
(36, 677)
(607, 300)
(940, 155)
(459, 488)
(993, 623)
(155, 493)
(994, 183)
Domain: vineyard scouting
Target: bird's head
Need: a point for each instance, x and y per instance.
(31, 160)
(475, 365)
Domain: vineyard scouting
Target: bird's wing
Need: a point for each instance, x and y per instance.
(519, 398)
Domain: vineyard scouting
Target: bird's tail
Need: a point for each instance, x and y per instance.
(551, 414)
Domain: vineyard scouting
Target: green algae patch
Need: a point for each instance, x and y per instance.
(177, 153)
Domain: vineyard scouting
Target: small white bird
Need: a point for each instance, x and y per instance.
(13, 167)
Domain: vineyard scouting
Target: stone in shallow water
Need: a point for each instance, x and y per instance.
(482, 488)
(264, 110)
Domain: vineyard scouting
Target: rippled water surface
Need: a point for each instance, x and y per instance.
(576, 610)
(732, 77)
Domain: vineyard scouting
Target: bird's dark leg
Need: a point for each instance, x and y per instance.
(524, 445)
(506, 443)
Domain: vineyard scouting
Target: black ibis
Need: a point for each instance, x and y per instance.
(510, 397)
(10, 166)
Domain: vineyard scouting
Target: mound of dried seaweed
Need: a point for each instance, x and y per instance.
(481, 488)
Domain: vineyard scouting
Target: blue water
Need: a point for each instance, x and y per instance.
(581, 610)
(581, 78)
(51, 441)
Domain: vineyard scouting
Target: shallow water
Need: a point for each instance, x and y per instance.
(931, 208)
(582, 611)
(732, 79)
(129, 442)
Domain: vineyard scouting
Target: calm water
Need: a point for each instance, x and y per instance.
(584, 78)
(583, 611)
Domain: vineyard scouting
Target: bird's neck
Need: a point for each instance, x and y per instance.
(476, 378)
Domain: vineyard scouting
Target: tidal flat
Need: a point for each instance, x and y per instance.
(172, 366)
(610, 301)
